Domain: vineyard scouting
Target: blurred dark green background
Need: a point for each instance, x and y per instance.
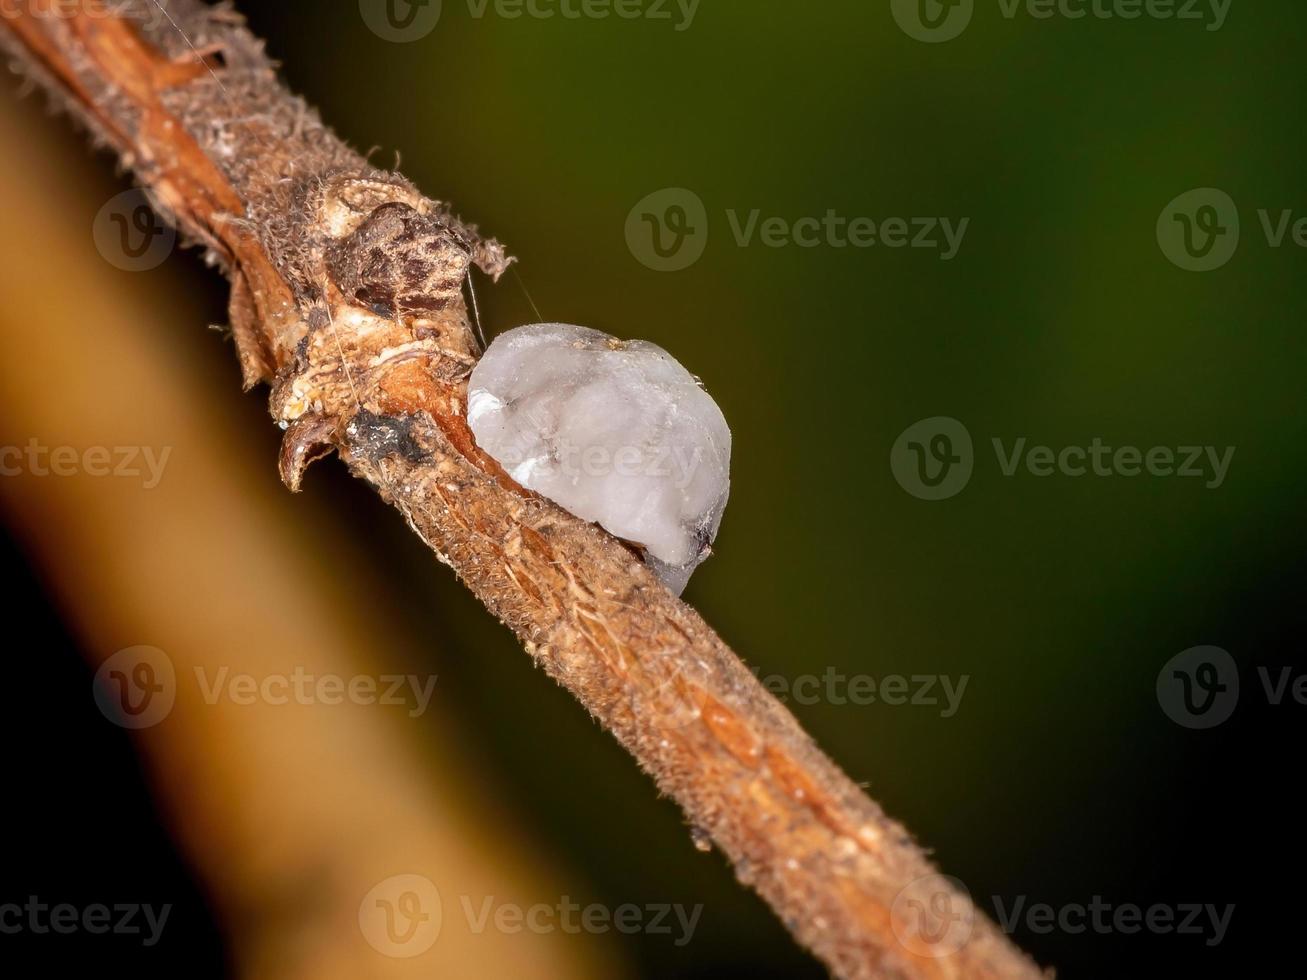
(1060, 319)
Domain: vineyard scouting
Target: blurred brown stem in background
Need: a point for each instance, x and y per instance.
(346, 296)
(291, 813)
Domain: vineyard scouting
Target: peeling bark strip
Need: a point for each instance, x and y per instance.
(347, 299)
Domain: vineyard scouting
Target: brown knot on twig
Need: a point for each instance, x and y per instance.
(400, 261)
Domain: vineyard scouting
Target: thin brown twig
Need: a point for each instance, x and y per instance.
(347, 299)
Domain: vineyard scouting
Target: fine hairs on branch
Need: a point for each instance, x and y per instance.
(348, 300)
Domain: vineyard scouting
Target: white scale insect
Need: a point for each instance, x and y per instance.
(616, 432)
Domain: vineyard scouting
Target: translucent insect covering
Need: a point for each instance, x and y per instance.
(616, 432)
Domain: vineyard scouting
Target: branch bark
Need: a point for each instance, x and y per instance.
(347, 299)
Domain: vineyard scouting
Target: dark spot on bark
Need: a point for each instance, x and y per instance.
(374, 437)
